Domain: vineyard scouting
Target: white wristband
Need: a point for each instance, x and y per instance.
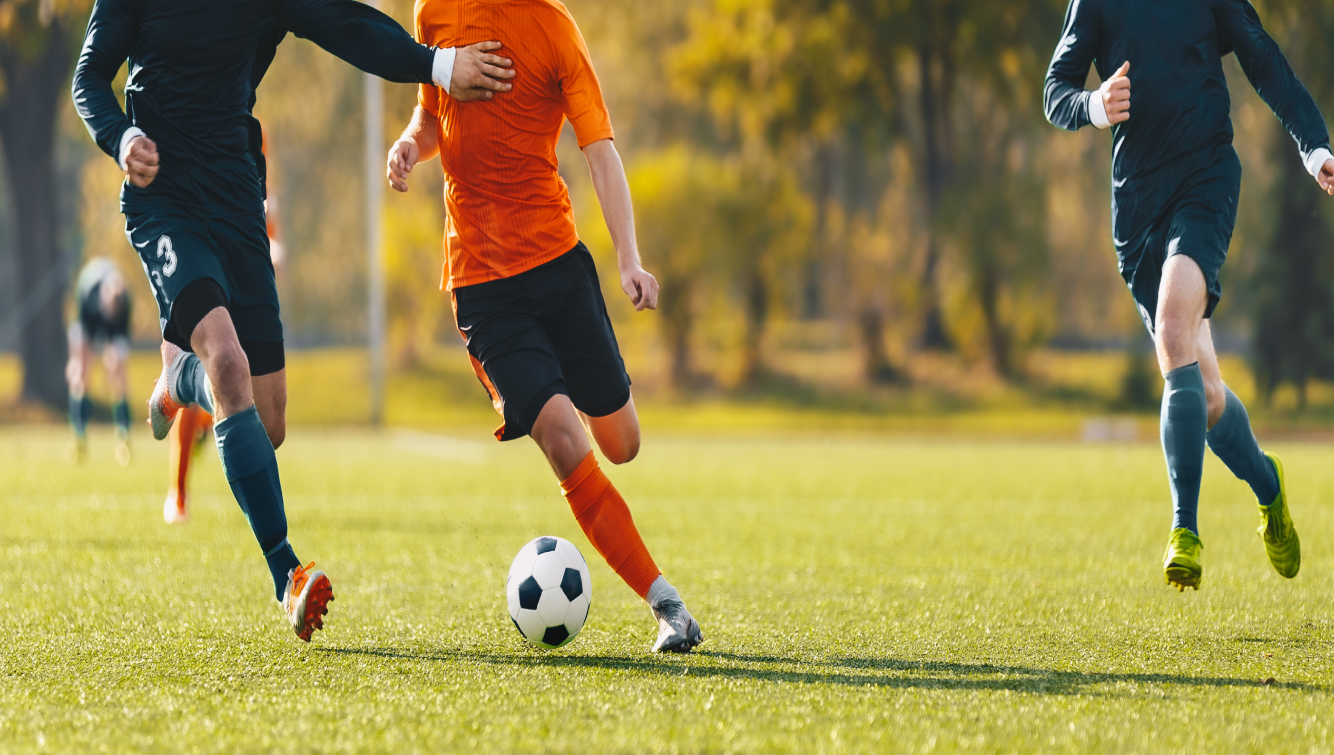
(1097, 113)
(442, 68)
(130, 133)
(1317, 161)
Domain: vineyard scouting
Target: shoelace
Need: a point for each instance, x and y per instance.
(299, 577)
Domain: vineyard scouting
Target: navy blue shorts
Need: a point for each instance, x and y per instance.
(1198, 223)
(178, 248)
(542, 333)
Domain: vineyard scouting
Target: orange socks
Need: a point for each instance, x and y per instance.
(605, 519)
(190, 424)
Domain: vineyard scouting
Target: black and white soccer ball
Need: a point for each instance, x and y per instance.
(549, 592)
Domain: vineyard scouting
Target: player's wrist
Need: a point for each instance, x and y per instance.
(442, 67)
(1315, 162)
(1097, 110)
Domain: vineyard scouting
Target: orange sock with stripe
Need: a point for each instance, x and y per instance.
(605, 519)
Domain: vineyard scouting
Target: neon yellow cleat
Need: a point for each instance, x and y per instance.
(1277, 530)
(1181, 562)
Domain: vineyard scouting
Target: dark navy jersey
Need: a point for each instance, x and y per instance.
(194, 67)
(1179, 104)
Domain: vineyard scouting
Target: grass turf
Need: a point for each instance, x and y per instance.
(858, 594)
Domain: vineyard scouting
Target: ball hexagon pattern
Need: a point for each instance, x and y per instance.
(549, 592)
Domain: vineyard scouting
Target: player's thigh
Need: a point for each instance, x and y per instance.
(253, 304)
(586, 346)
(76, 368)
(271, 403)
(176, 250)
(510, 351)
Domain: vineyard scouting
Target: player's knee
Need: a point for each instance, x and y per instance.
(1176, 338)
(230, 365)
(622, 449)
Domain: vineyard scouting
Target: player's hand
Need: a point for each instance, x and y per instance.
(141, 162)
(1115, 94)
(641, 287)
(478, 73)
(1326, 177)
(402, 156)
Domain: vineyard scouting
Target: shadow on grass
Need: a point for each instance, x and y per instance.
(850, 672)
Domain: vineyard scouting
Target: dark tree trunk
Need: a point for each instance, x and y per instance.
(1294, 313)
(28, 128)
(998, 337)
(677, 321)
(757, 313)
(875, 358)
(936, 73)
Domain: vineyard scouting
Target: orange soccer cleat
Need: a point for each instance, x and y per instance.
(306, 600)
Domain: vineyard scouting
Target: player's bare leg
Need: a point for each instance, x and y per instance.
(603, 515)
(114, 360)
(76, 377)
(616, 434)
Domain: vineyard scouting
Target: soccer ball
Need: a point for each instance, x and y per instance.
(549, 592)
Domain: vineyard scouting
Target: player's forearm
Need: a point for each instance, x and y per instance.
(422, 130)
(104, 49)
(366, 38)
(613, 190)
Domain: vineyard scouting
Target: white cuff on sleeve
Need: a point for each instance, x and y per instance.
(442, 69)
(1317, 161)
(125, 138)
(1097, 113)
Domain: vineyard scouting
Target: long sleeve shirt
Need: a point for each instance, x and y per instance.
(194, 66)
(1179, 103)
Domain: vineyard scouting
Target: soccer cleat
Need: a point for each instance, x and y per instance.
(78, 449)
(162, 406)
(306, 600)
(173, 509)
(1277, 530)
(122, 447)
(1181, 562)
(678, 632)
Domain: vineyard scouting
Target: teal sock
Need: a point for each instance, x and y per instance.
(1184, 422)
(80, 409)
(122, 414)
(1232, 441)
(251, 469)
(191, 386)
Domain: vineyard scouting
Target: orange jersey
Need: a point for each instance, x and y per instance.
(507, 208)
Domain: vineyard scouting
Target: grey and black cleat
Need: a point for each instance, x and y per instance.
(678, 632)
(162, 405)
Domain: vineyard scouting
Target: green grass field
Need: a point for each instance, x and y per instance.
(859, 593)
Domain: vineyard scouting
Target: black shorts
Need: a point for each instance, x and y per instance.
(1198, 223)
(177, 249)
(541, 333)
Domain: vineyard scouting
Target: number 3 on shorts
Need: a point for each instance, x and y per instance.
(164, 249)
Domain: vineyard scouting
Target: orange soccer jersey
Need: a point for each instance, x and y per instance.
(507, 209)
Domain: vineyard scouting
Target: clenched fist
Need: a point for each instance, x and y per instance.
(1115, 95)
(141, 161)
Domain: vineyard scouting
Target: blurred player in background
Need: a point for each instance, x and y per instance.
(1176, 180)
(101, 327)
(193, 422)
(525, 291)
(193, 201)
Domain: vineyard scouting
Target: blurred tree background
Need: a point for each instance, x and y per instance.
(865, 183)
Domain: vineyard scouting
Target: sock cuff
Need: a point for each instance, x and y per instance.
(659, 591)
(243, 444)
(585, 485)
(1186, 377)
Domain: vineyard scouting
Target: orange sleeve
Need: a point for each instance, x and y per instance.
(580, 93)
